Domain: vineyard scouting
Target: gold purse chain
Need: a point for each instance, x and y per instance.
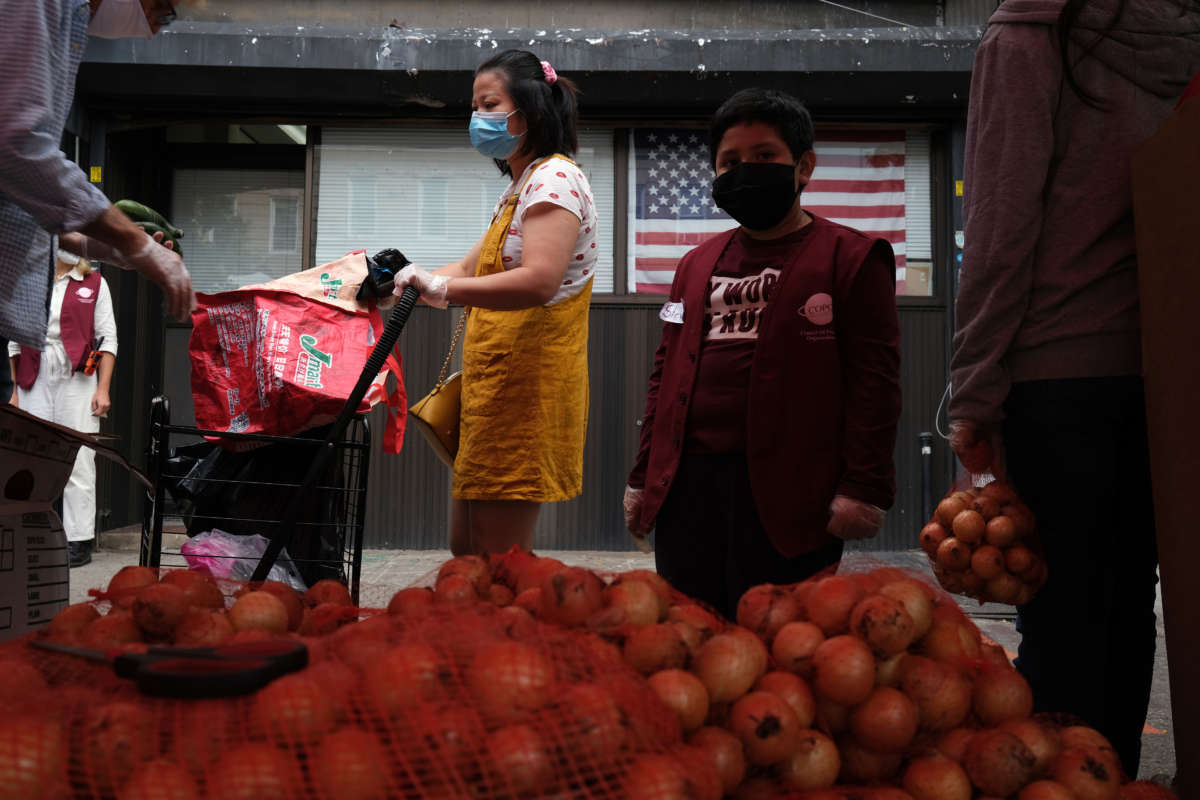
(458, 332)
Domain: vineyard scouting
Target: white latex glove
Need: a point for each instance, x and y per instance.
(432, 287)
(164, 266)
(632, 506)
(853, 519)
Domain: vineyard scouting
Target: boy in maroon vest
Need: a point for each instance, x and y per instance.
(771, 415)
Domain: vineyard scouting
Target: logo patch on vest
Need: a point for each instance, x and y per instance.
(85, 295)
(818, 310)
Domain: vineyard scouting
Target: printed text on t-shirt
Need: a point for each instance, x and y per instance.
(735, 305)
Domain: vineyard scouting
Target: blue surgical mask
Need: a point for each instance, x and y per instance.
(490, 136)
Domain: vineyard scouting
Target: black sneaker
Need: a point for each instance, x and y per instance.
(79, 553)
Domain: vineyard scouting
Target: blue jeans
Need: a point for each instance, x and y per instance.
(1077, 453)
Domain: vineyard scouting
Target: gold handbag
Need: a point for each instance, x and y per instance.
(436, 414)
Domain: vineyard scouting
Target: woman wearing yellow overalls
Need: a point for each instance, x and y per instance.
(527, 284)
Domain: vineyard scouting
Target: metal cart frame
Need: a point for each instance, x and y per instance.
(353, 449)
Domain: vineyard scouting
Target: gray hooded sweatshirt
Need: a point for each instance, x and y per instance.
(1048, 287)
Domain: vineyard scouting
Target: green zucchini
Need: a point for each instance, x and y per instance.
(151, 229)
(140, 213)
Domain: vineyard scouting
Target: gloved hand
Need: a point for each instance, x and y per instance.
(163, 266)
(432, 287)
(979, 447)
(853, 519)
(632, 505)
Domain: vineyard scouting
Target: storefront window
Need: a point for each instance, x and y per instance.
(427, 193)
(242, 226)
(874, 180)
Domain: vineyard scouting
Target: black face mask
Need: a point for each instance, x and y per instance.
(758, 196)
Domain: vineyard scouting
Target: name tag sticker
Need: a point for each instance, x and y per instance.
(671, 312)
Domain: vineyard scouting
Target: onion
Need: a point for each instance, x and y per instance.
(728, 664)
(350, 764)
(683, 693)
(703, 779)
(860, 765)
(69, 624)
(198, 587)
(1041, 740)
(200, 627)
(794, 646)
(500, 595)
(662, 589)
(291, 599)
(254, 772)
(953, 744)
(1052, 790)
(656, 647)
(128, 581)
(887, 673)
(113, 739)
(998, 763)
(472, 567)
(509, 681)
(941, 693)
(951, 642)
(1001, 531)
(844, 670)
(1146, 790)
(767, 789)
(831, 718)
(885, 722)
(936, 778)
(915, 598)
(327, 590)
(830, 602)
(326, 618)
(521, 760)
(884, 624)
(724, 751)
(969, 526)
(114, 629)
(948, 509)
(631, 602)
(1088, 772)
(530, 600)
(402, 678)
(1000, 491)
(659, 776)
(413, 601)
(595, 728)
(571, 595)
(767, 726)
(259, 611)
(987, 562)
(765, 609)
(158, 608)
(932, 535)
(954, 554)
(1004, 588)
(814, 764)
(294, 709)
(793, 691)
(160, 780)
(532, 573)
(1001, 693)
(507, 566)
(697, 617)
(455, 589)
(988, 507)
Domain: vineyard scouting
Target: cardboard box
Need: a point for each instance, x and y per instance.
(1166, 206)
(36, 459)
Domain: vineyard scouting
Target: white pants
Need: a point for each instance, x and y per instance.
(67, 400)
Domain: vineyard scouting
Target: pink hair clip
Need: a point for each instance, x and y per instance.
(548, 71)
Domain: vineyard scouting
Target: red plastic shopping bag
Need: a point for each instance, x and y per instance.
(279, 363)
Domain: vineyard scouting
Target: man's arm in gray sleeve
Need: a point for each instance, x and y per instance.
(34, 173)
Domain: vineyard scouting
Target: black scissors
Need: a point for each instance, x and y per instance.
(199, 672)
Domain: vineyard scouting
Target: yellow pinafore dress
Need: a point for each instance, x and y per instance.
(524, 392)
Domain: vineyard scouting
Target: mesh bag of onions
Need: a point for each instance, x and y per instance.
(521, 677)
(983, 543)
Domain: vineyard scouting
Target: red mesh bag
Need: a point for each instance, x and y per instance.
(983, 543)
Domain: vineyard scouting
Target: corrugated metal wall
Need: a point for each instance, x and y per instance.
(409, 494)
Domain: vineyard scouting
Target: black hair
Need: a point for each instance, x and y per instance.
(551, 110)
(769, 106)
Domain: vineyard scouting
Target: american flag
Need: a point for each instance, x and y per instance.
(859, 181)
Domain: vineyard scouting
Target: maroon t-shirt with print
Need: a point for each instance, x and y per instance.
(738, 293)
